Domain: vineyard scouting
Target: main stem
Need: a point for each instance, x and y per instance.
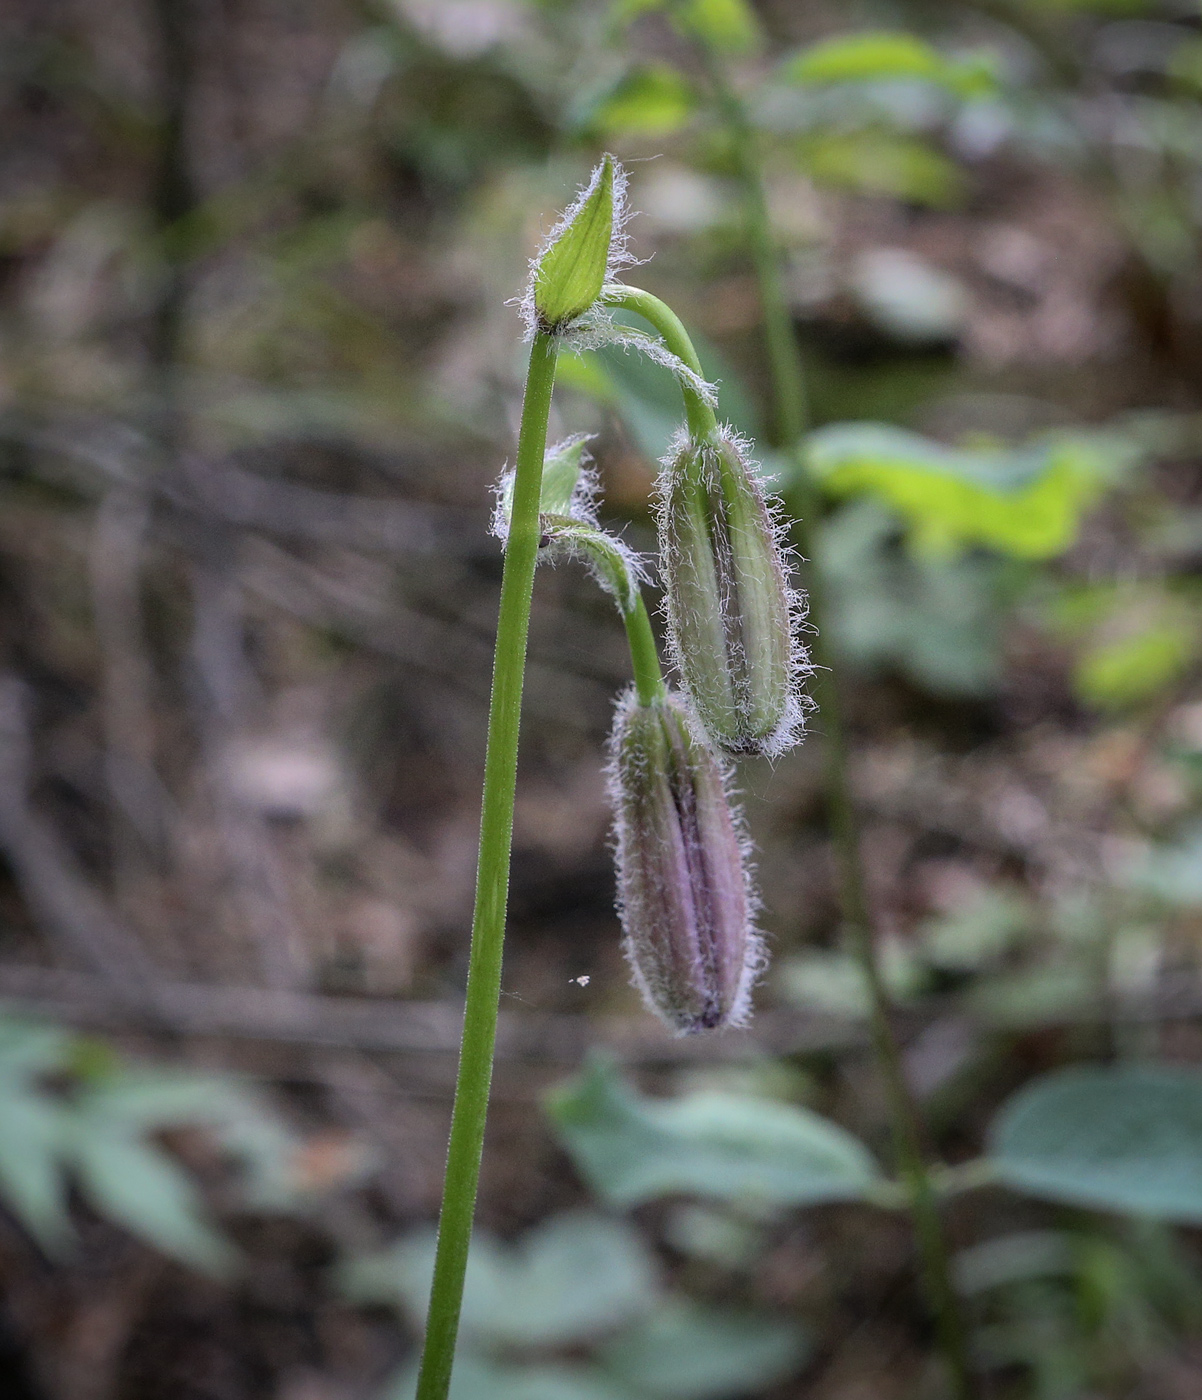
(791, 414)
(492, 885)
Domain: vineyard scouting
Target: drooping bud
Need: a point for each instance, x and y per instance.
(683, 888)
(732, 616)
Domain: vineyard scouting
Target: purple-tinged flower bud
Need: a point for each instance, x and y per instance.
(732, 617)
(684, 893)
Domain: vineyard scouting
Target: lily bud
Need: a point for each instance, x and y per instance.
(684, 893)
(732, 617)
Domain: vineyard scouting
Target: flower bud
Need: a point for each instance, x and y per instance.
(570, 272)
(683, 890)
(731, 613)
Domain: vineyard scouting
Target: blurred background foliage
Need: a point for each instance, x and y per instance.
(259, 371)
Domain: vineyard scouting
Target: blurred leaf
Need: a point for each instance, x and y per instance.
(1014, 1258)
(148, 1099)
(935, 620)
(651, 100)
(28, 1048)
(1115, 674)
(1124, 1139)
(977, 931)
(1098, 7)
(1172, 872)
(684, 1351)
(141, 1188)
(832, 982)
(647, 395)
(1024, 502)
(883, 56)
(728, 26)
(907, 297)
(1133, 639)
(31, 1175)
(32, 1129)
(718, 1236)
(1185, 64)
(475, 1378)
(1034, 996)
(573, 1278)
(875, 161)
(632, 1149)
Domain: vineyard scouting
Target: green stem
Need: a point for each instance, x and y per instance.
(791, 416)
(699, 415)
(492, 884)
(648, 678)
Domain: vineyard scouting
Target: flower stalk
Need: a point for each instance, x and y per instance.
(474, 1079)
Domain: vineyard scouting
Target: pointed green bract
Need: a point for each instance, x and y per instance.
(571, 273)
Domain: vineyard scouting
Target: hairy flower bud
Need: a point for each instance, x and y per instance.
(683, 887)
(732, 617)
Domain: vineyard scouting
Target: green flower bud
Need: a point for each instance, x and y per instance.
(572, 268)
(684, 893)
(732, 617)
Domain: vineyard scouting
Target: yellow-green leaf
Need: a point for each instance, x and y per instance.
(886, 56)
(729, 26)
(1123, 672)
(1024, 502)
(882, 162)
(654, 100)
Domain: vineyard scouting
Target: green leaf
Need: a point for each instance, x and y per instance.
(727, 26)
(1126, 1139)
(684, 1351)
(1023, 502)
(572, 1279)
(884, 56)
(652, 100)
(875, 161)
(571, 272)
(139, 1186)
(632, 1149)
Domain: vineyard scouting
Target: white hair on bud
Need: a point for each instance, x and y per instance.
(630, 847)
(790, 729)
(619, 255)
